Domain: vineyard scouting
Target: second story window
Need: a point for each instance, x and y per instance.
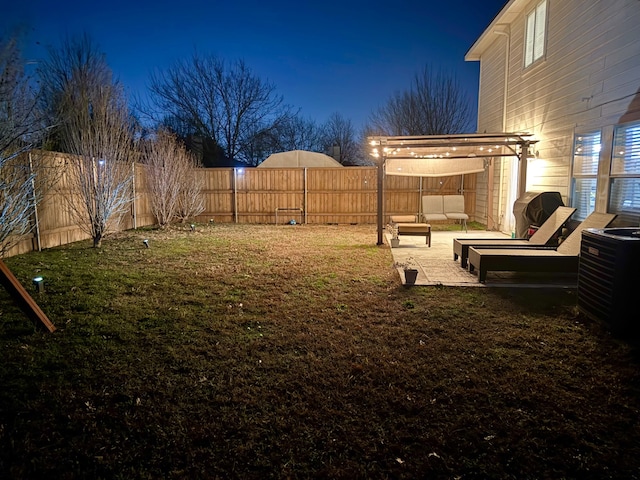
(536, 33)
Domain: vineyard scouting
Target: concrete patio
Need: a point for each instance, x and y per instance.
(436, 265)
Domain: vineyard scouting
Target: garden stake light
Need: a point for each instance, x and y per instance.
(146, 242)
(38, 282)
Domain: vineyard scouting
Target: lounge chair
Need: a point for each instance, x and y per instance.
(564, 259)
(542, 236)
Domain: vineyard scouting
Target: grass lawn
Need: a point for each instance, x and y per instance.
(254, 351)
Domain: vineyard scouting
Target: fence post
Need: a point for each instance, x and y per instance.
(133, 187)
(35, 205)
(304, 195)
(235, 195)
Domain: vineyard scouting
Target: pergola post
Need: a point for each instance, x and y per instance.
(491, 222)
(381, 166)
(522, 171)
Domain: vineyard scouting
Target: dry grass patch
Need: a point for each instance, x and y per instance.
(253, 351)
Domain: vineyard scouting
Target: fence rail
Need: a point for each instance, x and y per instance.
(346, 195)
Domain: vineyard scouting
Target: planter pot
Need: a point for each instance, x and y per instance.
(395, 242)
(410, 275)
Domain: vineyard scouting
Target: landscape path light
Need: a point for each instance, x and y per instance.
(38, 283)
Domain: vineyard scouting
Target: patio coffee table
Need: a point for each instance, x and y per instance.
(415, 229)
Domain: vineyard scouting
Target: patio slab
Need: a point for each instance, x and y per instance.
(436, 265)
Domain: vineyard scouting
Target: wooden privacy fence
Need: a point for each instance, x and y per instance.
(345, 195)
(53, 223)
(313, 195)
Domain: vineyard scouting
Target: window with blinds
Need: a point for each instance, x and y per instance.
(535, 34)
(586, 156)
(624, 195)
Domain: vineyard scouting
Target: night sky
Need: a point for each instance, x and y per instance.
(323, 57)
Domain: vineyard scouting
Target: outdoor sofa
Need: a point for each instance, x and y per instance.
(444, 207)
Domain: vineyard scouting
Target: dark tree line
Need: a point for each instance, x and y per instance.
(225, 111)
(207, 101)
(434, 104)
(226, 114)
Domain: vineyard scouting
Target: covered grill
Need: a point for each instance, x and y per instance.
(533, 208)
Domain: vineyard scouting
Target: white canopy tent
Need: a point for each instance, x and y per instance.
(299, 158)
(444, 155)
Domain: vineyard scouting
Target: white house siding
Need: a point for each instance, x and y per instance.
(586, 81)
(490, 118)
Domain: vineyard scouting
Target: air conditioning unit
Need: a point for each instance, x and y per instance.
(608, 276)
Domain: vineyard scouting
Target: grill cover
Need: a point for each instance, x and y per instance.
(534, 208)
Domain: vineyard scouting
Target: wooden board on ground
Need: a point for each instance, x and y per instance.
(22, 297)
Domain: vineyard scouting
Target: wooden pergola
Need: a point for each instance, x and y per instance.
(444, 155)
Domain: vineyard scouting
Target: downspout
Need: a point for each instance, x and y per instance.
(524, 163)
(504, 126)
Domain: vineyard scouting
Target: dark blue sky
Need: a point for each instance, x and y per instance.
(327, 56)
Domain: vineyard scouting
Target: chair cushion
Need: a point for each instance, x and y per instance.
(409, 228)
(430, 217)
(457, 216)
(453, 204)
(432, 204)
(403, 218)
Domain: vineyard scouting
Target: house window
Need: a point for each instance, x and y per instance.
(624, 195)
(535, 34)
(586, 156)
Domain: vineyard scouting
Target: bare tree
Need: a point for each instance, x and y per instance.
(21, 128)
(95, 126)
(171, 179)
(338, 134)
(76, 61)
(290, 133)
(298, 133)
(225, 103)
(435, 104)
(190, 199)
(16, 203)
